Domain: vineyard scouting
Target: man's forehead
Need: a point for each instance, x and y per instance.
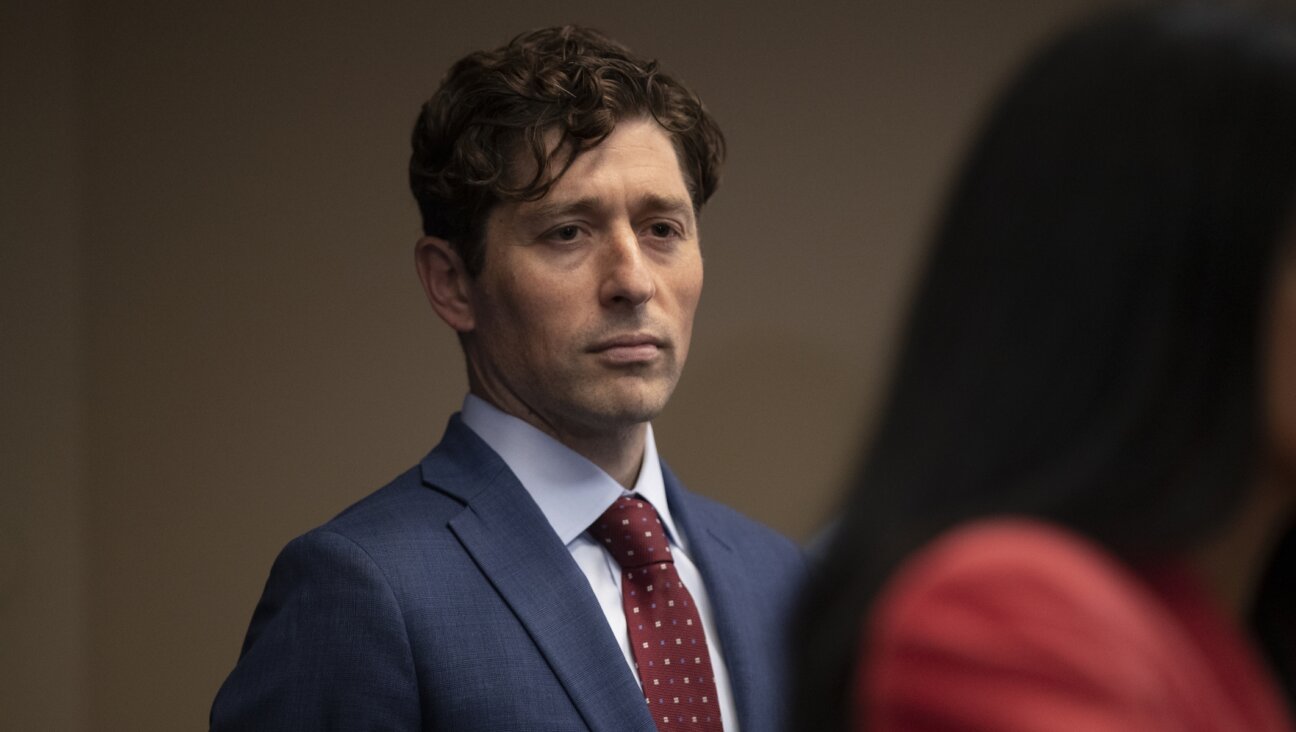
(523, 164)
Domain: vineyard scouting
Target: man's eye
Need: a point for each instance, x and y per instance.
(566, 233)
(662, 230)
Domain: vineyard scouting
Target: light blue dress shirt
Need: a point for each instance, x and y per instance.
(572, 492)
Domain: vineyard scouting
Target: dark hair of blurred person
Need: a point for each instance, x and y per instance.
(1104, 337)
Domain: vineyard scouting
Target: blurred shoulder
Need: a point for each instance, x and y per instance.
(1016, 550)
(1020, 569)
(1011, 621)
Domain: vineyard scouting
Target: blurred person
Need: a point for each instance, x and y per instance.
(1088, 454)
(541, 568)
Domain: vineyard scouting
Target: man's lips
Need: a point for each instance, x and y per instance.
(629, 349)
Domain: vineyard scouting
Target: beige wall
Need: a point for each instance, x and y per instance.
(214, 338)
(43, 609)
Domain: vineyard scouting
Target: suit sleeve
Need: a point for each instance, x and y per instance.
(1013, 635)
(326, 650)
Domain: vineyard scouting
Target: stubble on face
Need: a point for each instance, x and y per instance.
(588, 337)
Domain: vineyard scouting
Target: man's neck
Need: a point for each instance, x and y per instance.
(619, 455)
(618, 451)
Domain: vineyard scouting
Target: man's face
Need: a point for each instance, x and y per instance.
(583, 310)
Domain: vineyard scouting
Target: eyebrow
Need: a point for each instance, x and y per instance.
(540, 211)
(557, 209)
(666, 204)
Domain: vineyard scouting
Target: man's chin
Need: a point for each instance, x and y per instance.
(626, 408)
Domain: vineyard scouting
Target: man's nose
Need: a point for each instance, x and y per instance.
(627, 275)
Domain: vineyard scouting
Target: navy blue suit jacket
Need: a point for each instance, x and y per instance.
(445, 601)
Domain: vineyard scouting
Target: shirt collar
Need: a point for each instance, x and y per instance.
(570, 490)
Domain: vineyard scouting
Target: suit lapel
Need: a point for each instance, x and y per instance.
(511, 541)
(728, 592)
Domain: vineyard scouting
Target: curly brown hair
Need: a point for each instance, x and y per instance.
(493, 106)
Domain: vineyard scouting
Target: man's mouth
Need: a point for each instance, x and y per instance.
(630, 349)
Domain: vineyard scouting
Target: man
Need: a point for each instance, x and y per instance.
(540, 569)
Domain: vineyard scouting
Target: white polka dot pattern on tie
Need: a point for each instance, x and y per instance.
(665, 630)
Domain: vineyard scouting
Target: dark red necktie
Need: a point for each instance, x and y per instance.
(666, 632)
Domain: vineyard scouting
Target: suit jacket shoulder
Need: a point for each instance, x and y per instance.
(444, 601)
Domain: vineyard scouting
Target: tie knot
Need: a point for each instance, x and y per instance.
(631, 530)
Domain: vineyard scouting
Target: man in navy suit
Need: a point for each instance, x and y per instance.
(560, 179)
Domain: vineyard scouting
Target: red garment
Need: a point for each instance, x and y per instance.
(1019, 626)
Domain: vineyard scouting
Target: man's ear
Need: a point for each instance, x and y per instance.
(445, 282)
